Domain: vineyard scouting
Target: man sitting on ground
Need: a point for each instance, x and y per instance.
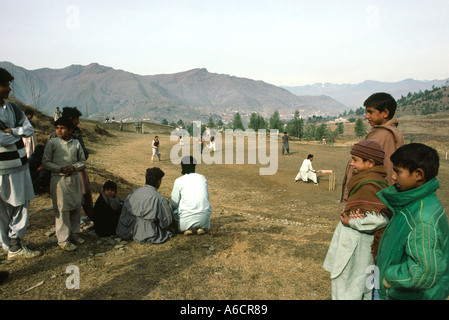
(190, 200)
(146, 214)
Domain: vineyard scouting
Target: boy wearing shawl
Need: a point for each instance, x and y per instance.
(107, 210)
(350, 252)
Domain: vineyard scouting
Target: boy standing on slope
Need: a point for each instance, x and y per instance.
(413, 258)
(16, 186)
(64, 158)
(350, 251)
(380, 109)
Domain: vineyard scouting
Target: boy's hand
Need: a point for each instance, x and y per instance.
(68, 170)
(7, 130)
(344, 218)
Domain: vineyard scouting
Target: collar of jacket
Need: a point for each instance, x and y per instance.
(395, 199)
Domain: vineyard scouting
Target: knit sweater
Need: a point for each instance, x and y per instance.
(13, 157)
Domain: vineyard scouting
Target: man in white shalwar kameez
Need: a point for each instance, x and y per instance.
(306, 171)
(190, 200)
(16, 187)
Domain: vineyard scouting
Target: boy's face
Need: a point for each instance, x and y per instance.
(110, 192)
(360, 165)
(5, 89)
(405, 180)
(76, 122)
(63, 132)
(376, 117)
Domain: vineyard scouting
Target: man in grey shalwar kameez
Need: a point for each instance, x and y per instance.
(16, 188)
(146, 214)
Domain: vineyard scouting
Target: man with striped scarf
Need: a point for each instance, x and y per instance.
(16, 188)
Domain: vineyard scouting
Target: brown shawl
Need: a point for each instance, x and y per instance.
(362, 188)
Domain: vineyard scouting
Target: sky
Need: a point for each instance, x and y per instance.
(281, 42)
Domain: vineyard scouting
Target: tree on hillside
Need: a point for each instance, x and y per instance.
(237, 122)
(359, 128)
(275, 122)
(164, 121)
(340, 128)
(211, 123)
(256, 122)
(220, 123)
(295, 127)
(180, 123)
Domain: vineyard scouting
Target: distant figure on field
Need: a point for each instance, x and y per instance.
(306, 172)
(146, 214)
(156, 148)
(380, 109)
(58, 114)
(190, 200)
(285, 144)
(30, 142)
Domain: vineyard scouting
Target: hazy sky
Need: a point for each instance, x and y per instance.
(281, 42)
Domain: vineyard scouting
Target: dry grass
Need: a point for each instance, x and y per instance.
(268, 238)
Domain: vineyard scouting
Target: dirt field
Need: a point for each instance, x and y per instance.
(268, 238)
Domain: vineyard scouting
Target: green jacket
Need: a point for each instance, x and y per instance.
(413, 253)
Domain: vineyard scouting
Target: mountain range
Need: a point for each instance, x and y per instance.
(100, 91)
(353, 95)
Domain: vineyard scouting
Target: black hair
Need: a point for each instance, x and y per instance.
(29, 111)
(382, 101)
(153, 175)
(417, 156)
(63, 121)
(110, 185)
(5, 76)
(310, 156)
(188, 165)
(71, 112)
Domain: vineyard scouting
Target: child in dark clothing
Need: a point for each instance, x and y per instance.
(39, 175)
(107, 210)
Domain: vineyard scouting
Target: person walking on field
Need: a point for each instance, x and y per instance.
(155, 146)
(285, 144)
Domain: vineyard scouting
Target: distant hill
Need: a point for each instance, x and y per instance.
(101, 91)
(424, 102)
(353, 95)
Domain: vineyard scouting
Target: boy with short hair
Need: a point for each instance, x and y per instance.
(380, 109)
(64, 158)
(350, 251)
(413, 258)
(16, 187)
(107, 210)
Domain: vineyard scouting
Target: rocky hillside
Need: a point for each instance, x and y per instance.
(101, 91)
(424, 102)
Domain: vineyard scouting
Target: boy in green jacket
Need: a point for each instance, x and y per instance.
(413, 256)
